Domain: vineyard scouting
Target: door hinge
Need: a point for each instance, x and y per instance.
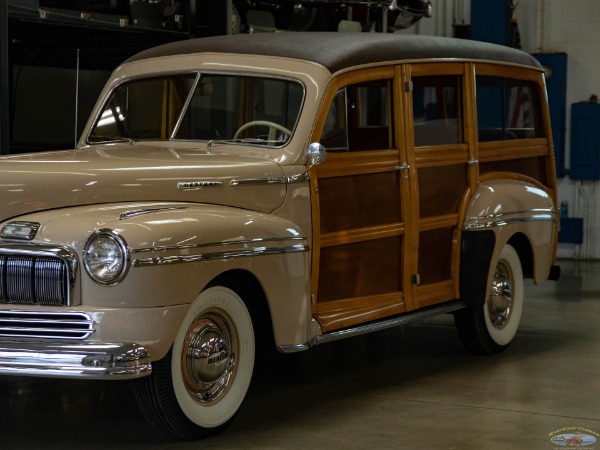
(408, 86)
(416, 279)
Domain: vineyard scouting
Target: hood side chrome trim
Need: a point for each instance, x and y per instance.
(141, 212)
(211, 256)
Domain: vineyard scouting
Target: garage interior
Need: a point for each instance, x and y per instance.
(409, 387)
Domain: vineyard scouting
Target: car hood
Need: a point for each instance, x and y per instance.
(121, 173)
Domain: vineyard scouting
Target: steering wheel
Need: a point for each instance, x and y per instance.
(273, 127)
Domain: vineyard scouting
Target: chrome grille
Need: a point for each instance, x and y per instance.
(34, 280)
(45, 325)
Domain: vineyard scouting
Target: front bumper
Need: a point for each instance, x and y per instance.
(105, 361)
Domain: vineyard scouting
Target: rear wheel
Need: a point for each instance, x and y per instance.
(492, 327)
(198, 388)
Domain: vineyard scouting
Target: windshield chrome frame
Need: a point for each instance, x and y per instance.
(185, 105)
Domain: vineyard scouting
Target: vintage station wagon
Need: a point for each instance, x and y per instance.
(237, 193)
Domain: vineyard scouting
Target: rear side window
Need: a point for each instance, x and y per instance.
(437, 110)
(506, 109)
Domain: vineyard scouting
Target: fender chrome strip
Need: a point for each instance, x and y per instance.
(258, 251)
(218, 244)
(502, 219)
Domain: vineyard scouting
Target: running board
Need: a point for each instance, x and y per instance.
(376, 326)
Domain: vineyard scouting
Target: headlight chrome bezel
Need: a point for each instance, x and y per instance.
(124, 257)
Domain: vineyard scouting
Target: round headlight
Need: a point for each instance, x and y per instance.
(106, 257)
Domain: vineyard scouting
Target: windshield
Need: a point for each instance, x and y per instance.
(241, 108)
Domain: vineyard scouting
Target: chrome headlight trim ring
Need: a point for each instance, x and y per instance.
(123, 259)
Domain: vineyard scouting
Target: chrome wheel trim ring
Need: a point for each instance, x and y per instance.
(500, 301)
(208, 357)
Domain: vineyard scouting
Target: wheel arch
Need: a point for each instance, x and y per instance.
(249, 288)
(521, 243)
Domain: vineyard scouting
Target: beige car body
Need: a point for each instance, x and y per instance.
(190, 211)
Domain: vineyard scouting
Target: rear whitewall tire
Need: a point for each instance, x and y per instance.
(491, 327)
(504, 306)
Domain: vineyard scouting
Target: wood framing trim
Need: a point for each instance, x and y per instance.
(344, 313)
(361, 235)
(433, 293)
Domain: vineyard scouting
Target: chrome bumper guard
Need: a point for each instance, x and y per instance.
(104, 361)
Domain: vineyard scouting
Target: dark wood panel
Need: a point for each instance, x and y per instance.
(441, 189)
(359, 201)
(531, 167)
(435, 255)
(361, 269)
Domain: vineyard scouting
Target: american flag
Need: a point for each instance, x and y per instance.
(519, 96)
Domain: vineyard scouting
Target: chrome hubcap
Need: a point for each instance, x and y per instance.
(208, 359)
(500, 302)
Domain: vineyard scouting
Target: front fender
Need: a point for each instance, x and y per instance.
(177, 249)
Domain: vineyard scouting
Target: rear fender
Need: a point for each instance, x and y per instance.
(500, 211)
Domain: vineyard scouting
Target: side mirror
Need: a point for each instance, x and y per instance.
(315, 155)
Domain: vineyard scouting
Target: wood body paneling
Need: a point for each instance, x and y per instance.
(388, 211)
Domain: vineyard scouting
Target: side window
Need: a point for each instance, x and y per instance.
(359, 118)
(437, 110)
(335, 134)
(506, 109)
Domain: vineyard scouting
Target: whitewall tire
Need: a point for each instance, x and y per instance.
(199, 387)
(492, 327)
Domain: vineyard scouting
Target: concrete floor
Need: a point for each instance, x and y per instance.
(408, 388)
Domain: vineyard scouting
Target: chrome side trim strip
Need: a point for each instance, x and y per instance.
(82, 360)
(217, 244)
(141, 212)
(377, 326)
(299, 178)
(257, 181)
(258, 251)
(502, 219)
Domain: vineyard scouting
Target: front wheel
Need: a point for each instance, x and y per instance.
(198, 388)
(491, 328)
